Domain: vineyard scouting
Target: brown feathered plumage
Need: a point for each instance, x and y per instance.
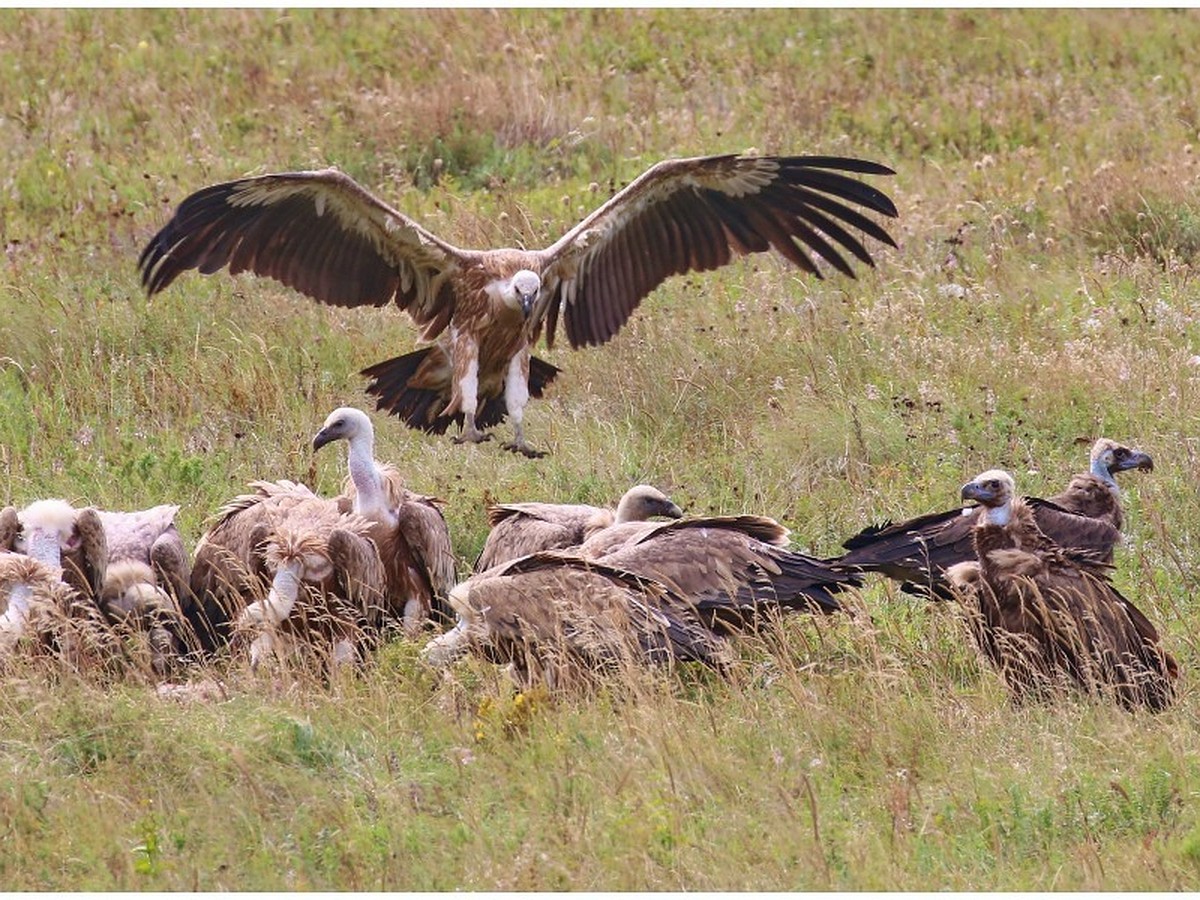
(326, 581)
(563, 619)
(323, 234)
(519, 529)
(43, 618)
(1048, 617)
(735, 571)
(1085, 516)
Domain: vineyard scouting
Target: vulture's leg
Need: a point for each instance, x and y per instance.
(465, 352)
(516, 395)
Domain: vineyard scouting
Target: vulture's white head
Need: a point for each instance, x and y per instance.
(642, 502)
(346, 424)
(1109, 458)
(994, 490)
(521, 291)
(47, 530)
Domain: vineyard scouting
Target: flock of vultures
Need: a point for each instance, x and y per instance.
(561, 593)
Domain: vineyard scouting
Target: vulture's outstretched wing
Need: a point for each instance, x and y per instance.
(696, 214)
(319, 232)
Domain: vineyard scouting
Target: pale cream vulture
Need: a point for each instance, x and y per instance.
(562, 620)
(518, 529)
(323, 234)
(1048, 617)
(408, 528)
(1086, 515)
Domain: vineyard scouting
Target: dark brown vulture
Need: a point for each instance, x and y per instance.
(562, 620)
(323, 234)
(1048, 617)
(917, 553)
(408, 529)
(519, 529)
(735, 571)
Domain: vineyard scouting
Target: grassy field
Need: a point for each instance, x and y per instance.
(1044, 292)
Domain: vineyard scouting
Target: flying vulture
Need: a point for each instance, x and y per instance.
(323, 234)
(146, 583)
(519, 529)
(1047, 616)
(735, 571)
(1086, 515)
(408, 529)
(560, 619)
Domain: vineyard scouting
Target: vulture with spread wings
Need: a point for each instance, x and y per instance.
(323, 234)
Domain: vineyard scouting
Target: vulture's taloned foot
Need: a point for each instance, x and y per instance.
(523, 448)
(477, 437)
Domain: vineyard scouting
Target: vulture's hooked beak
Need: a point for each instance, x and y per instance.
(670, 510)
(973, 490)
(527, 301)
(1135, 459)
(321, 438)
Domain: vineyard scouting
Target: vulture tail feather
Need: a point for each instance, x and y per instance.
(419, 407)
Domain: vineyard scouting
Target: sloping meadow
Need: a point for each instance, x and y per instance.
(1044, 293)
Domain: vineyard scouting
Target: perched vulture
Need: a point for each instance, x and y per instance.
(561, 619)
(1047, 616)
(519, 529)
(284, 564)
(57, 533)
(408, 529)
(917, 553)
(146, 585)
(734, 571)
(326, 578)
(1095, 493)
(323, 234)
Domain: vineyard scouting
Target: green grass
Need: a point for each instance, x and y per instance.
(1044, 292)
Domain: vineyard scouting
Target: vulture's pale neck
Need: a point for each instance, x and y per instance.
(627, 509)
(1100, 470)
(998, 515)
(44, 547)
(370, 498)
(285, 588)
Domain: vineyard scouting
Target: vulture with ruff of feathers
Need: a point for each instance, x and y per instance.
(282, 566)
(408, 528)
(53, 556)
(1048, 616)
(561, 620)
(323, 234)
(734, 571)
(33, 598)
(519, 529)
(57, 533)
(1085, 516)
(146, 583)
